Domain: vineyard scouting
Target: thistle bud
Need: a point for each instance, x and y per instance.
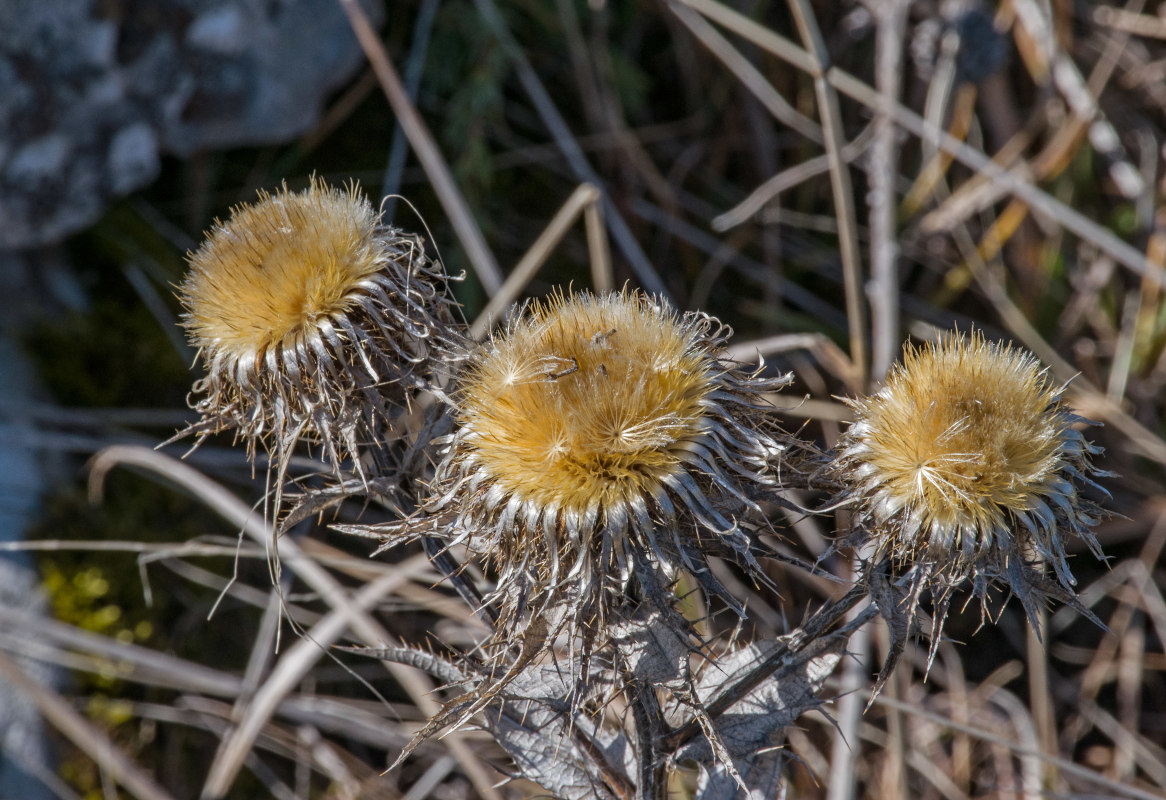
(600, 448)
(968, 465)
(313, 320)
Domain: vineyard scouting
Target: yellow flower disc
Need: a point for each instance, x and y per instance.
(967, 465)
(314, 320)
(266, 278)
(586, 403)
(962, 437)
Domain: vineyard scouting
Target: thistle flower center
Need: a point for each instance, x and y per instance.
(266, 277)
(587, 403)
(963, 434)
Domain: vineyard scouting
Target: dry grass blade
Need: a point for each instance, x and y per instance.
(291, 669)
(890, 22)
(1130, 21)
(835, 141)
(39, 637)
(1114, 788)
(846, 748)
(847, 84)
(155, 549)
(583, 198)
(786, 180)
(83, 734)
(237, 513)
(602, 279)
(649, 279)
(827, 354)
(975, 194)
(1079, 96)
(748, 74)
(1041, 699)
(460, 217)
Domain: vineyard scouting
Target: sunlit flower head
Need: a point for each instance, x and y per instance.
(313, 319)
(967, 464)
(600, 445)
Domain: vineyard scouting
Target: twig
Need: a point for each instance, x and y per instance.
(649, 279)
(1041, 201)
(424, 146)
(88, 738)
(706, 242)
(890, 20)
(430, 779)
(785, 180)
(238, 513)
(835, 140)
(292, 667)
(1113, 787)
(750, 77)
(391, 183)
(583, 196)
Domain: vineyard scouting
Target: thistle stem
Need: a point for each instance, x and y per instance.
(812, 633)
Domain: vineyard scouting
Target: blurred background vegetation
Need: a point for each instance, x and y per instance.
(720, 153)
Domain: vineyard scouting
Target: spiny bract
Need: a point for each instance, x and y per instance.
(307, 310)
(966, 464)
(600, 445)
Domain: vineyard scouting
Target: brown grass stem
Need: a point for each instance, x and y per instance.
(436, 169)
(84, 734)
(238, 513)
(1013, 182)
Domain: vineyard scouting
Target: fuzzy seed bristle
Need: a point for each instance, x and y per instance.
(966, 464)
(601, 448)
(268, 277)
(314, 320)
(960, 440)
(586, 405)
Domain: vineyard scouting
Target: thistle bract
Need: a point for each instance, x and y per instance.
(313, 319)
(600, 448)
(968, 464)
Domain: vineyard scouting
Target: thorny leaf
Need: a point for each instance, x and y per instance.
(565, 744)
(574, 756)
(898, 608)
(654, 649)
(749, 730)
(766, 770)
(737, 751)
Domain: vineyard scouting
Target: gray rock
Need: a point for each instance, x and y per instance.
(91, 94)
(24, 749)
(133, 157)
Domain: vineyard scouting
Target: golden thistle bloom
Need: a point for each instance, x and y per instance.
(600, 445)
(306, 309)
(966, 465)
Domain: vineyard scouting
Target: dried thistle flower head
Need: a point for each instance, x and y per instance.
(966, 464)
(312, 319)
(600, 448)
(587, 407)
